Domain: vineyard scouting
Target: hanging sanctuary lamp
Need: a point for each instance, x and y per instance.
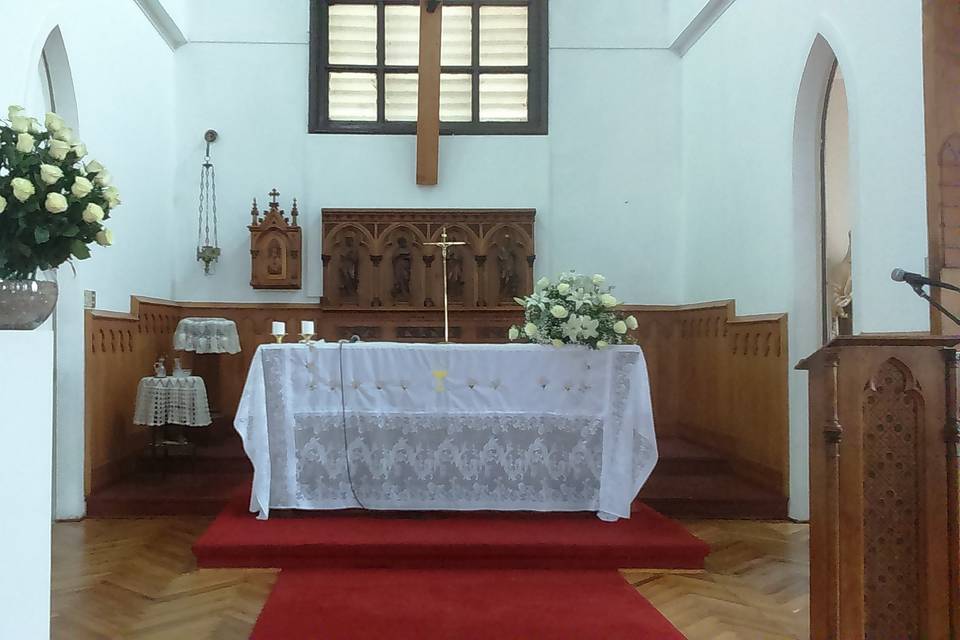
(208, 247)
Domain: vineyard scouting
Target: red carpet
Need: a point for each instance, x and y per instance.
(448, 540)
(465, 605)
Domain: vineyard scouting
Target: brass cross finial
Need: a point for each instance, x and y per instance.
(274, 195)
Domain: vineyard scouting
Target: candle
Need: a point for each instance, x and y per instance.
(279, 329)
(306, 327)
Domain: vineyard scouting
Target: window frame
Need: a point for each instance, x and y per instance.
(537, 69)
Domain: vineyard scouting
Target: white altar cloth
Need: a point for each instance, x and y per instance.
(447, 427)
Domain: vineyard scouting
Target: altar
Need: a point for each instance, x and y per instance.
(447, 427)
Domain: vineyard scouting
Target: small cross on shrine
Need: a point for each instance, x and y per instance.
(274, 195)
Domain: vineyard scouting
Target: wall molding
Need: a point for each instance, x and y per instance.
(165, 25)
(710, 13)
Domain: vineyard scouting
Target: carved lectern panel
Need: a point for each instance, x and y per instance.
(892, 419)
(276, 245)
(383, 257)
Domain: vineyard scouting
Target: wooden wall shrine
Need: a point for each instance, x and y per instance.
(378, 258)
(276, 247)
(716, 378)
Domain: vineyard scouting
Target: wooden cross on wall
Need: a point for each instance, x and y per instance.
(428, 99)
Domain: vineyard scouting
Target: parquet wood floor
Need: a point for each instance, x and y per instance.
(137, 579)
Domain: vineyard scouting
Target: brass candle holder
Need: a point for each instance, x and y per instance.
(279, 337)
(306, 338)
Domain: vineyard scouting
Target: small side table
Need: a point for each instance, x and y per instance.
(173, 400)
(207, 335)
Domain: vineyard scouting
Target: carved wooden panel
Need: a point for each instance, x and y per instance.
(884, 504)
(892, 417)
(276, 245)
(950, 199)
(382, 257)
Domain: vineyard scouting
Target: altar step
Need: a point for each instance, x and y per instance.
(692, 481)
(198, 482)
(689, 482)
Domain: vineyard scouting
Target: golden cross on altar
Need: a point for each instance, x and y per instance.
(444, 245)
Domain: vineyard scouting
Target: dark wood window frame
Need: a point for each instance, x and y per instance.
(537, 71)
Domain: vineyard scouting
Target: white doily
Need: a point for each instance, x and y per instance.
(207, 335)
(172, 400)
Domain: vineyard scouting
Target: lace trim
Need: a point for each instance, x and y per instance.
(472, 461)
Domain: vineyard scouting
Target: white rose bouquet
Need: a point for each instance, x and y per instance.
(576, 309)
(52, 205)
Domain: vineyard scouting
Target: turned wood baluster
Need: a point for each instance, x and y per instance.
(952, 438)
(376, 301)
(832, 436)
(428, 281)
(481, 280)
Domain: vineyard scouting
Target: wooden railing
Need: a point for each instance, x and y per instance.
(721, 380)
(716, 379)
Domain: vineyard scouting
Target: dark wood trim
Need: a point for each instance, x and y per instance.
(537, 71)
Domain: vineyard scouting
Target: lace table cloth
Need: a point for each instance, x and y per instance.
(172, 400)
(447, 427)
(207, 335)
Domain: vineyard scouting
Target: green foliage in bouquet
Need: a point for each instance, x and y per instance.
(576, 309)
(52, 205)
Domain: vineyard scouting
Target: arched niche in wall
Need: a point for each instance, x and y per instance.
(51, 88)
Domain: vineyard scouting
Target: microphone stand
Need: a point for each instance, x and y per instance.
(918, 289)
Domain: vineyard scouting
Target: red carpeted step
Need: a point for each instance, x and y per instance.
(448, 540)
(176, 494)
(466, 605)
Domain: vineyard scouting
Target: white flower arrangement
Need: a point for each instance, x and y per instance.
(52, 205)
(576, 309)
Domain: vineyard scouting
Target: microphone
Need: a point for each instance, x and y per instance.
(913, 279)
(354, 338)
(916, 280)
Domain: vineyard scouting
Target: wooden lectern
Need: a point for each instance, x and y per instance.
(884, 537)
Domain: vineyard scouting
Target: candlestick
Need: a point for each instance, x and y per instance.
(279, 330)
(307, 326)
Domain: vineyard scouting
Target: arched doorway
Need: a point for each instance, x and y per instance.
(821, 158)
(51, 89)
(836, 225)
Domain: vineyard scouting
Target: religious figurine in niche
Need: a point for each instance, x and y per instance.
(275, 259)
(349, 268)
(507, 263)
(402, 270)
(454, 274)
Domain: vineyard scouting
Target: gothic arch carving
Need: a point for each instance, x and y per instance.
(892, 421)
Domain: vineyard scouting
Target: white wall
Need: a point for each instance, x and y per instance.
(26, 395)
(609, 169)
(837, 174)
(740, 87)
(123, 77)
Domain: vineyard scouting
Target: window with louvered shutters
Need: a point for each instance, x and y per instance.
(364, 56)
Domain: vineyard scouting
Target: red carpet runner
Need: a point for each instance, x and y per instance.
(458, 605)
(370, 575)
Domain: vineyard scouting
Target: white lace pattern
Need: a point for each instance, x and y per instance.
(447, 427)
